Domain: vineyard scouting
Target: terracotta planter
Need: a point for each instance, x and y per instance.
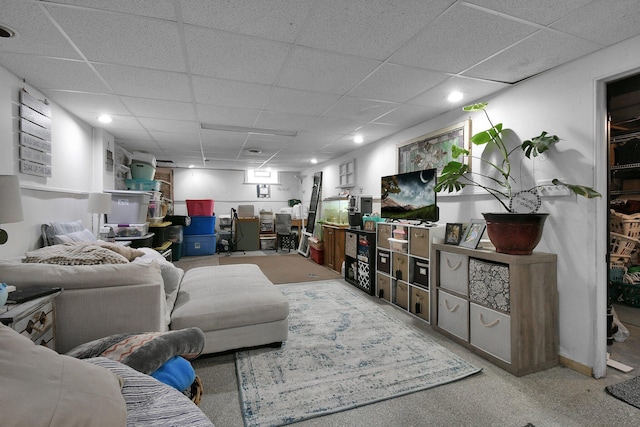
(515, 233)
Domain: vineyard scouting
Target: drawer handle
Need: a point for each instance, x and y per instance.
(38, 325)
(455, 267)
(451, 309)
(488, 325)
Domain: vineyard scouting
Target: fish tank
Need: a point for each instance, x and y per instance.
(335, 210)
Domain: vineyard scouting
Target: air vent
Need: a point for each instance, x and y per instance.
(254, 151)
(6, 32)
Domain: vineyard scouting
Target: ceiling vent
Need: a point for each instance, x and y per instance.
(253, 151)
(6, 32)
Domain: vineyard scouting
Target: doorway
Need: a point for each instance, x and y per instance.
(623, 109)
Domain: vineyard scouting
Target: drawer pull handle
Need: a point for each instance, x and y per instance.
(38, 325)
(488, 325)
(454, 267)
(451, 309)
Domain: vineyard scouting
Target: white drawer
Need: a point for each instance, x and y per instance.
(35, 324)
(453, 272)
(491, 331)
(453, 315)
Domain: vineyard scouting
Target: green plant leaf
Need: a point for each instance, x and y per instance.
(487, 136)
(475, 107)
(450, 176)
(538, 144)
(580, 190)
(457, 151)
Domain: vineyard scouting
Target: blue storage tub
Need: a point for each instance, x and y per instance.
(200, 225)
(196, 245)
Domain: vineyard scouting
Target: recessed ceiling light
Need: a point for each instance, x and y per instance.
(314, 161)
(358, 139)
(191, 166)
(455, 96)
(6, 32)
(105, 118)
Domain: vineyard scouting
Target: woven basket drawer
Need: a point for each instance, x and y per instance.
(384, 287)
(491, 331)
(419, 304)
(402, 294)
(384, 261)
(453, 315)
(384, 232)
(419, 242)
(351, 244)
(453, 272)
(489, 284)
(400, 266)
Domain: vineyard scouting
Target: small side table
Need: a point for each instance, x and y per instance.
(34, 319)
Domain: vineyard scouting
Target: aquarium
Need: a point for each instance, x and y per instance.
(335, 210)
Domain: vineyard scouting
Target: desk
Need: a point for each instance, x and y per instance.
(299, 223)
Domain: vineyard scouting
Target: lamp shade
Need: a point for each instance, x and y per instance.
(10, 199)
(99, 203)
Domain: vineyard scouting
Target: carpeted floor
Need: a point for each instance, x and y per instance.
(292, 268)
(334, 360)
(627, 391)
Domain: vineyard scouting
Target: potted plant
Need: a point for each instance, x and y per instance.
(513, 231)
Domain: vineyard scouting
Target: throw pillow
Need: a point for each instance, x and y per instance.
(144, 352)
(74, 254)
(77, 236)
(41, 387)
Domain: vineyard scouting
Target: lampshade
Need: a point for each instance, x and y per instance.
(99, 203)
(10, 199)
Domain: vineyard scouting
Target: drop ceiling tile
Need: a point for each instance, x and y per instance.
(159, 109)
(146, 83)
(163, 9)
(227, 115)
(36, 34)
(334, 125)
(310, 140)
(366, 28)
(283, 121)
(603, 22)
(229, 93)
(406, 116)
(363, 110)
(215, 137)
(399, 83)
(459, 39)
(542, 12)
(372, 132)
(472, 90)
(284, 100)
(131, 142)
(177, 139)
(123, 39)
(119, 122)
(276, 19)
(544, 50)
(49, 73)
(87, 103)
(224, 55)
(319, 71)
(165, 125)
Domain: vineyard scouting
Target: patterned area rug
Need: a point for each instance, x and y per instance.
(627, 391)
(343, 351)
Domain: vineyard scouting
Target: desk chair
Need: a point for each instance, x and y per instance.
(285, 237)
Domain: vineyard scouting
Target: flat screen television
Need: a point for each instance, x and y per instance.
(410, 195)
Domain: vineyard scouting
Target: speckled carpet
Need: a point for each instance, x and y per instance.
(342, 352)
(627, 391)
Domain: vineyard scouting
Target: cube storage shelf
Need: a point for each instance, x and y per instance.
(515, 326)
(359, 260)
(402, 265)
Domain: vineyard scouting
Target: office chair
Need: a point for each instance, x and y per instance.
(285, 237)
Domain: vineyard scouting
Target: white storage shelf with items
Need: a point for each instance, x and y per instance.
(403, 264)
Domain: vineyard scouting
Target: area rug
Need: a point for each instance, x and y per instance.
(343, 351)
(627, 391)
(281, 269)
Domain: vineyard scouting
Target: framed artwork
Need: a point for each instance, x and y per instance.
(433, 150)
(303, 246)
(370, 225)
(473, 233)
(453, 233)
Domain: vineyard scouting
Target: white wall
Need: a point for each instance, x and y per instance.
(568, 102)
(59, 198)
(227, 189)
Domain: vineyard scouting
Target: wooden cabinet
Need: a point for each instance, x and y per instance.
(360, 254)
(333, 238)
(402, 266)
(502, 307)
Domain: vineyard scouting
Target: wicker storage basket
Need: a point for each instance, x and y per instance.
(622, 245)
(627, 225)
(627, 293)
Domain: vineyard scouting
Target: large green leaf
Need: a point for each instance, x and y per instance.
(488, 135)
(450, 177)
(580, 190)
(475, 107)
(538, 144)
(457, 151)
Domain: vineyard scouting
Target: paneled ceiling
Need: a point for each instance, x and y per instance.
(305, 76)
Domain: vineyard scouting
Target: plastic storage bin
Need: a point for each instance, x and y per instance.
(142, 184)
(175, 233)
(202, 207)
(196, 245)
(317, 255)
(200, 225)
(129, 230)
(128, 207)
(143, 166)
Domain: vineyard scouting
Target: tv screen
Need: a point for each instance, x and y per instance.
(410, 195)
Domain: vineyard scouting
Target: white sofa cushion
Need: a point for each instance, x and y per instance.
(42, 388)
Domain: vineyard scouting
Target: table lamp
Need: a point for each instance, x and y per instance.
(99, 203)
(10, 203)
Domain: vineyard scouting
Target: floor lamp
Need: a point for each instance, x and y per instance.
(10, 203)
(99, 203)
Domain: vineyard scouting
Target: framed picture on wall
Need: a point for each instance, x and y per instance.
(433, 150)
(473, 233)
(453, 233)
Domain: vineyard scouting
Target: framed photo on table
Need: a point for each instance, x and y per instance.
(473, 233)
(453, 233)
